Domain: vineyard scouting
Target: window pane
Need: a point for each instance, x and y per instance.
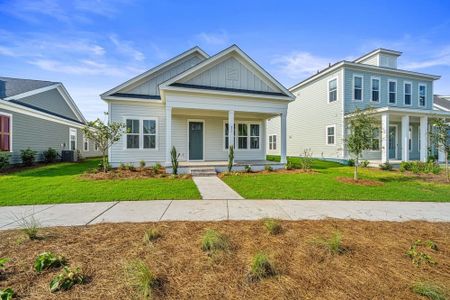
(392, 86)
(330, 130)
(332, 84)
(333, 96)
(392, 97)
(226, 142)
(331, 140)
(254, 130)
(132, 126)
(375, 84)
(375, 96)
(149, 141)
(408, 99)
(4, 142)
(407, 88)
(254, 143)
(132, 141)
(226, 128)
(242, 130)
(358, 94)
(242, 142)
(150, 126)
(358, 82)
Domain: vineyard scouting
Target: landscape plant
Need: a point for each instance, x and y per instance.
(30, 226)
(142, 164)
(430, 290)
(306, 159)
(417, 256)
(47, 260)
(386, 166)
(4, 159)
(151, 235)
(213, 241)
(3, 262)
(261, 267)
(230, 158)
(50, 155)
(141, 278)
(174, 156)
(439, 134)
(333, 244)
(6, 294)
(104, 135)
(28, 156)
(248, 169)
(155, 168)
(272, 226)
(268, 168)
(66, 279)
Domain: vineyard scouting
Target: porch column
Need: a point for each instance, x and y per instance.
(384, 137)
(283, 141)
(423, 131)
(405, 138)
(168, 134)
(230, 129)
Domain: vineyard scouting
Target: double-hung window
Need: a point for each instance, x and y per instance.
(248, 135)
(85, 144)
(331, 134)
(392, 91)
(149, 134)
(273, 142)
(375, 83)
(72, 139)
(5, 133)
(375, 139)
(407, 89)
(332, 90)
(141, 133)
(133, 133)
(254, 136)
(357, 88)
(242, 136)
(422, 94)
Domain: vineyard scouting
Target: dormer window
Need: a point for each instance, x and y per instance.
(357, 88)
(332, 90)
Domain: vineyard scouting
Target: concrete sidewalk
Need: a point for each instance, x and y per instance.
(217, 210)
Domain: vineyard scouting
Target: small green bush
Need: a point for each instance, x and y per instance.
(30, 226)
(3, 262)
(248, 169)
(418, 167)
(405, 166)
(28, 156)
(386, 166)
(273, 226)
(213, 241)
(141, 278)
(142, 164)
(351, 162)
(418, 257)
(332, 244)
(47, 260)
(4, 159)
(66, 279)
(6, 294)
(268, 168)
(364, 163)
(306, 160)
(290, 165)
(151, 235)
(155, 168)
(50, 155)
(430, 290)
(102, 168)
(261, 267)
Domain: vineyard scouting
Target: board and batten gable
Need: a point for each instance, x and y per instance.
(231, 73)
(350, 104)
(150, 85)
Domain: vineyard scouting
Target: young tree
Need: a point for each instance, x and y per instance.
(361, 126)
(439, 134)
(104, 135)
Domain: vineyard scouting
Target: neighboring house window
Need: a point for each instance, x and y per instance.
(357, 88)
(376, 89)
(407, 93)
(149, 133)
(392, 86)
(85, 144)
(242, 136)
(273, 142)
(331, 134)
(96, 147)
(73, 139)
(375, 139)
(254, 136)
(422, 94)
(332, 90)
(248, 137)
(410, 139)
(5, 133)
(133, 134)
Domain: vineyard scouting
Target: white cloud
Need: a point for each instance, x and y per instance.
(440, 57)
(218, 38)
(126, 48)
(81, 67)
(300, 64)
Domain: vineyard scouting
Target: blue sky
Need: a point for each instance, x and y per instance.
(92, 46)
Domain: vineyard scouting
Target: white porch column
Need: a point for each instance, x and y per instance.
(441, 156)
(423, 131)
(405, 138)
(168, 134)
(384, 137)
(230, 129)
(283, 141)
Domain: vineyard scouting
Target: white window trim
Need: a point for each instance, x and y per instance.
(73, 130)
(379, 141)
(328, 89)
(273, 143)
(85, 140)
(404, 92)
(10, 129)
(236, 136)
(418, 94)
(388, 91)
(141, 134)
(326, 135)
(362, 87)
(371, 89)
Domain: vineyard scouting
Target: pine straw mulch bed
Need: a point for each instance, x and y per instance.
(278, 171)
(136, 173)
(362, 182)
(374, 267)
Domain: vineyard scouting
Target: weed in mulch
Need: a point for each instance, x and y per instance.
(419, 252)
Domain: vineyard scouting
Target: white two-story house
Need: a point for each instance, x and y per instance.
(402, 102)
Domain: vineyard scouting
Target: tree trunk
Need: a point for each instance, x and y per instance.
(446, 166)
(355, 175)
(105, 162)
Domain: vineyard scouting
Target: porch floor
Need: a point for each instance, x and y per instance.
(222, 163)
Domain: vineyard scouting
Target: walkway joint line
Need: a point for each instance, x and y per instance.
(27, 216)
(108, 208)
(165, 210)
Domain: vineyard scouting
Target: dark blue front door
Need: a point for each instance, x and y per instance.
(195, 141)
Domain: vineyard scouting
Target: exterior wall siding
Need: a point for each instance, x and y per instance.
(274, 127)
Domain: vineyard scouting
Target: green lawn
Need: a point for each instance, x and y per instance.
(61, 183)
(323, 185)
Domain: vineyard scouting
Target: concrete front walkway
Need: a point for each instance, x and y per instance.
(217, 210)
(211, 187)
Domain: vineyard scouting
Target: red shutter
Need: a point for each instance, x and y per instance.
(5, 131)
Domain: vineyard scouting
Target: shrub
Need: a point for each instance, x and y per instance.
(142, 164)
(332, 244)
(365, 163)
(4, 159)
(104, 166)
(155, 168)
(151, 235)
(290, 165)
(248, 169)
(351, 162)
(174, 156)
(66, 279)
(386, 166)
(418, 257)
(28, 156)
(50, 155)
(141, 278)
(261, 267)
(273, 226)
(3, 262)
(213, 241)
(268, 168)
(405, 166)
(306, 160)
(6, 294)
(418, 167)
(47, 260)
(429, 290)
(121, 166)
(30, 227)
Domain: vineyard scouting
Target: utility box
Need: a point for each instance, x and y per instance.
(69, 156)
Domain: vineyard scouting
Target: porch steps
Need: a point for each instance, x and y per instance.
(203, 172)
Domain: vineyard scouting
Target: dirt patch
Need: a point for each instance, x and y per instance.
(138, 173)
(362, 182)
(374, 267)
(434, 178)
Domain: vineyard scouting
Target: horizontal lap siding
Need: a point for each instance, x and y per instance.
(274, 127)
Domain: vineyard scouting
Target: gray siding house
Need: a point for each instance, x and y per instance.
(40, 114)
(402, 101)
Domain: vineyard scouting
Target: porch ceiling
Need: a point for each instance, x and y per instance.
(220, 113)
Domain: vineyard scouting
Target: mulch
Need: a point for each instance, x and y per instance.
(374, 266)
(362, 182)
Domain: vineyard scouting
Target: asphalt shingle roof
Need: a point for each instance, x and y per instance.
(442, 102)
(13, 86)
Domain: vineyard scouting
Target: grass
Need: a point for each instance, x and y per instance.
(213, 241)
(151, 235)
(332, 244)
(62, 183)
(323, 184)
(429, 290)
(261, 267)
(272, 226)
(141, 278)
(376, 267)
